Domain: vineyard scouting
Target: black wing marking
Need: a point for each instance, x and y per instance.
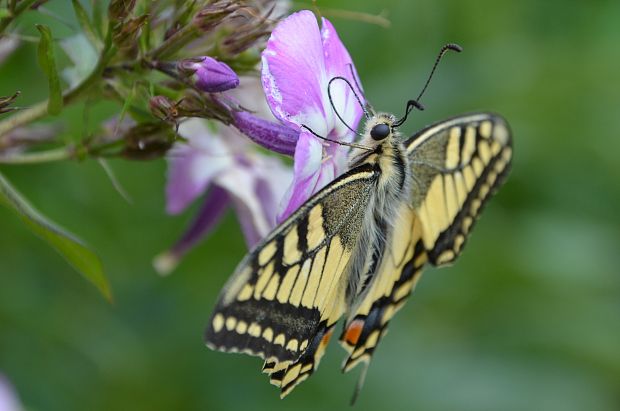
(456, 166)
(285, 296)
(396, 277)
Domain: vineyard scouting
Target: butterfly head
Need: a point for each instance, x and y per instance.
(381, 127)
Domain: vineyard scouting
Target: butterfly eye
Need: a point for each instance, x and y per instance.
(380, 131)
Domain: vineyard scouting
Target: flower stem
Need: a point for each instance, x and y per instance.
(19, 9)
(48, 156)
(24, 116)
(39, 109)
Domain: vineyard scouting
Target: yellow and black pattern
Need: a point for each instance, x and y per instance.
(285, 296)
(456, 166)
(396, 277)
(358, 247)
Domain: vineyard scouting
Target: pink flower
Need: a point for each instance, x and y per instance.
(223, 165)
(9, 400)
(298, 66)
(298, 63)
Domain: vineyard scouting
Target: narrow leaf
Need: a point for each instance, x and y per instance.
(78, 255)
(86, 25)
(98, 22)
(115, 183)
(48, 64)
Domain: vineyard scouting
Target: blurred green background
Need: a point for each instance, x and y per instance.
(528, 318)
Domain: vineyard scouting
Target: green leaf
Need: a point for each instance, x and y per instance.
(4, 12)
(87, 25)
(78, 255)
(48, 64)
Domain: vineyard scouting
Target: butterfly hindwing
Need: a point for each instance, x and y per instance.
(398, 272)
(456, 166)
(285, 296)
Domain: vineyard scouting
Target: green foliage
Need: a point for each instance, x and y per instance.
(48, 64)
(68, 245)
(86, 25)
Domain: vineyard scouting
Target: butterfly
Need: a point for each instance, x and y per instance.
(357, 248)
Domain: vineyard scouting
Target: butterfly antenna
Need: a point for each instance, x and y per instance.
(357, 97)
(342, 143)
(368, 110)
(411, 104)
(444, 50)
(416, 103)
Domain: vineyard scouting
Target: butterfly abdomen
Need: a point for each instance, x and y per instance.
(391, 191)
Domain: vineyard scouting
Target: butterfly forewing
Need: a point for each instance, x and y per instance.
(285, 296)
(456, 166)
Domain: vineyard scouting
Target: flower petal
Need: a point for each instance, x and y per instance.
(9, 400)
(293, 73)
(210, 213)
(189, 173)
(308, 156)
(338, 63)
(192, 165)
(241, 186)
(247, 221)
(273, 179)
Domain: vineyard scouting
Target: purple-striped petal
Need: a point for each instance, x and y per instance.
(241, 186)
(212, 210)
(271, 185)
(298, 63)
(192, 165)
(251, 182)
(247, 221)
(307, 167)
(293, 73)
(338, 63)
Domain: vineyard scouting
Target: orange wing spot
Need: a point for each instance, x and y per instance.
(353, 332)
(325, 339)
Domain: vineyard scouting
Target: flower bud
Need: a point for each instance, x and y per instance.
(208, 74)
(247, 35)
(148, 141)
(119, 10)
(6, 101)
(273, 136)
(125, 35)
(212, 15)
(196, 104)
(164, 108)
